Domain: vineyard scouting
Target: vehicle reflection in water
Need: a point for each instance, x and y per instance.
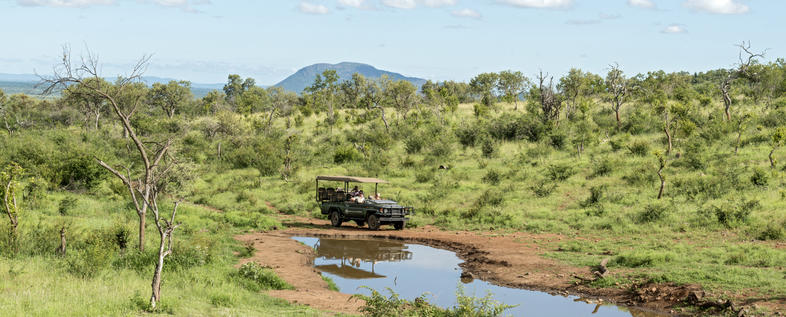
(412, 270)
(353, 253)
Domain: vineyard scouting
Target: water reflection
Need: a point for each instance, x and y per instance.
(412, 269)
(353, 253)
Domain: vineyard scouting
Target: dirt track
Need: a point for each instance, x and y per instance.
(511, 260)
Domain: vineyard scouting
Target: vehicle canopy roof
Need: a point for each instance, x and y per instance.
(352, 179)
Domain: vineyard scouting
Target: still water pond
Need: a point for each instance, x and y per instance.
(413, 269)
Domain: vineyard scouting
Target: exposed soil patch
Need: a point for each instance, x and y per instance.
(511, 260)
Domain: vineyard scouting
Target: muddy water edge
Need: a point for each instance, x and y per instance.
(412, 269)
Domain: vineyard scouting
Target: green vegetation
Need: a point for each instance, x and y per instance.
(501, 153)
(378, 305)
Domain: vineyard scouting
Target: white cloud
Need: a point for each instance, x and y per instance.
(674, 29)
(64, 3)
(312, 8)
(400, 4)
(647, 4)
(466, 13)
(351, 3)
(540, 4)
(439, 3)
(717, 6)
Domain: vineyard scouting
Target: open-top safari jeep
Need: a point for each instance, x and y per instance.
(341, 206)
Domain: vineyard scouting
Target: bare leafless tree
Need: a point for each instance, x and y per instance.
(743, 69)
(550, 102)
(87, 75)
(156, 172)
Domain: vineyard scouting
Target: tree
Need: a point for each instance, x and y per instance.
(15, 111)
(82, 97)
(279, 100)
(130, 98)
(401, 95)
(661, 165)
(252, 100)
(157, 172)
(9, 180)
(617, 87)
(745, 69)
(324, 89)
(170, 97)
(778, 139)
(213, 101)
(550, 102)
(576, 85)
(484, 85)
(511, 85)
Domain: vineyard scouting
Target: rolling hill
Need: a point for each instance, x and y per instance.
(305, 76)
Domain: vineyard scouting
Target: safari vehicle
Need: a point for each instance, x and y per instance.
(337, 203)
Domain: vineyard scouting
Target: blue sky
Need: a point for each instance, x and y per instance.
(204, 40)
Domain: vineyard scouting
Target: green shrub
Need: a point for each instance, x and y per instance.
(467, 134)
(732, 214)
(331, 284)
(492, 177)
(596, 194)
(773, 231)
(346, 154)
(639, 148)
(66, 205)
(654, 212)
(255, 278)
(543, 188)
(560, 172)
(602, 167)
(490, 198)
(89, 258)
(487, 148)
(414, 143)
(760, 177)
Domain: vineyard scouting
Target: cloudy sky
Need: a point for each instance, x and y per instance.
(204, 40)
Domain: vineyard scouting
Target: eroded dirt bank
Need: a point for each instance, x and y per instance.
(511, 260)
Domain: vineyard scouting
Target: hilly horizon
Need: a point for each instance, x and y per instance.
(304, 77)
(297, 82)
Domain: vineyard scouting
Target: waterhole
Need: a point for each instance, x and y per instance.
(413, 269)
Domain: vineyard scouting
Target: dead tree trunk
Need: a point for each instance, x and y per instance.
(725, 88)
(62, 249)
(772, 159)
(662, 181)
(667, 128)
(165, 231)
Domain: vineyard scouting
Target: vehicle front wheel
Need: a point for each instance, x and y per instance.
(335, 219)
(400, 225)
(373, 222)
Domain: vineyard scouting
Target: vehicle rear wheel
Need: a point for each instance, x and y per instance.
(360, 223)
(399, 225)
(373, 222)
(335, 219)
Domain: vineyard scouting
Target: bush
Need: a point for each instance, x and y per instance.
(66, 205)
(731, 214)
(89, 259)
(773, 231)
(639, 148)
(467, 134)
(490, 198)
(414, 143)
(492, 177)
(487, 148)
(560, 172)
(596, 194)
(654, 212)
(760, 177)
(543, 188)
(255, 278)
(602, 167)
(346, 153)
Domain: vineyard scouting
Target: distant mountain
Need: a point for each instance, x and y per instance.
(26, 84)
(305, 76)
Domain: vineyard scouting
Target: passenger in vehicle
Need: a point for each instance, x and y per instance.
(359, 198)
(354, 192)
